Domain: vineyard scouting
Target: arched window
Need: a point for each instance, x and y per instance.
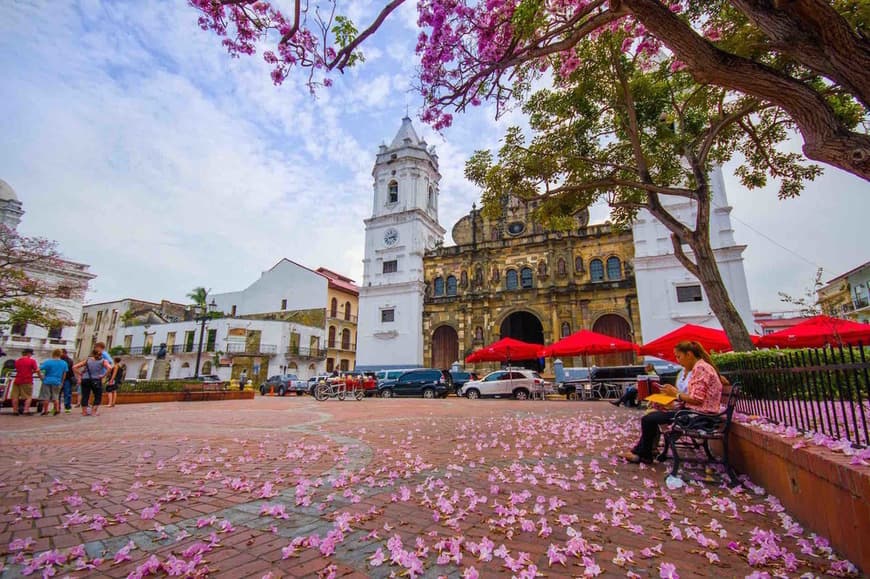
(510, 278)
(578, 264)
(526, 279)
(463, 279)
(451, 285)
(596, 270)
(561, 267)
(331, 340)
(206, 367)
(345, 339)
(393, 192)
(143, 370)
(439, 286)
(292, 366)
(346, 310)
(566, 329)
(333, 308)
(614, 268)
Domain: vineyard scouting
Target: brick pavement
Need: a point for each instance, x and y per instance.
(296, 488)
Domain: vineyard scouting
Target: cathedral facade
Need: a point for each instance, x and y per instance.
(509, 277)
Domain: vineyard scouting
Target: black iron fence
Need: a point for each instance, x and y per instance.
(821, 390)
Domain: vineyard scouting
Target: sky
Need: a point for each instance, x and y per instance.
(135, 141)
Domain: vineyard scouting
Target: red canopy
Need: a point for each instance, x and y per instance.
(817, 332)
(506, 350)
(662, 347)
(585, 342)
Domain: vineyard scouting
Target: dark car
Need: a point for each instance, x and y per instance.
(283, 384)
(425, 382)
(458, 379)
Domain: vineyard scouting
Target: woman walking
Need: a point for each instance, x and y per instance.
(91, 373)
(116, 378)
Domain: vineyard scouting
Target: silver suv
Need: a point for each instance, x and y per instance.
(517, 382)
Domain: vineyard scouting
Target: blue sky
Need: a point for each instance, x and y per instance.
(136, 142)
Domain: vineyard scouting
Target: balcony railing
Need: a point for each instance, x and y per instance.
(174, 349)
(35, 343)
(341, 317)
(305, 353)
(253, 350)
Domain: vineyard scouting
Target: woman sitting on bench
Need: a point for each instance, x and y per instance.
(704, 395)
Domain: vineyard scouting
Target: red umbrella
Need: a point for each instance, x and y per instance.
(662, 347)
(506, 350)
(585, 342)
(817, 332)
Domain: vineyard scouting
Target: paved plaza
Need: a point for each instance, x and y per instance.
(297, 488)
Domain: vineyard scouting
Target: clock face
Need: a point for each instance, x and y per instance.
(391, 236)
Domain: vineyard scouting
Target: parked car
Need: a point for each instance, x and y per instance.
(210, 378)
(459, 379)
(388, 377)
(284, 383)
(425, 382)
(517, 382)
(314, 381)
(576, 379)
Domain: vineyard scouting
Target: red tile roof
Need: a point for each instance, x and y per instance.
(338, 281)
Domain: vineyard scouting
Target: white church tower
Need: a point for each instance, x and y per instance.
(667, 294)
(403, 225)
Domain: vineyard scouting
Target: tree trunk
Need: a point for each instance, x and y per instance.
(826, 139)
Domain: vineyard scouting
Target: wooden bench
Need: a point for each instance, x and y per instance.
(693, 430)
(204, 391)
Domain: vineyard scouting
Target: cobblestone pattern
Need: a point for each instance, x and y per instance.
(297, 488)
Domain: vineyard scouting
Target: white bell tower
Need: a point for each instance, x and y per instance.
(403, 225)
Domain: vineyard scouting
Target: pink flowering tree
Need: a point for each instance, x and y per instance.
(807, 57)
(27, 268)
(627, 127)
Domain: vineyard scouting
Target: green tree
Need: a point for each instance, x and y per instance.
(199, 297)
(630, 130)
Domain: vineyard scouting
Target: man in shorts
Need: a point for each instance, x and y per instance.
(22, 386)
(54, 372)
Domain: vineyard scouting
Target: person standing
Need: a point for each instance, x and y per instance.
(101, 346)
(67, 381)
(91, 372)
(22, 386)
(243, 379)
(116, 378)
(54, 371)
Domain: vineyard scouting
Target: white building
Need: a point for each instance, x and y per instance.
(14, 338)
(404, 223)
(668, 295)
(274, 326)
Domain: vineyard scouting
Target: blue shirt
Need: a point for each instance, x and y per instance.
(108, 358)
(53, 370)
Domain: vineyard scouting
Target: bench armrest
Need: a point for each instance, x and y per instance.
(687, 419)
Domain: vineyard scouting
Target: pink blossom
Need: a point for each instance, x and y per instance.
(668, 571)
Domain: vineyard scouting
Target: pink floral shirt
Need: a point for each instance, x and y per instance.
(704, 384)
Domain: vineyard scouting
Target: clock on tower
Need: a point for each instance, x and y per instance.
(391, 236)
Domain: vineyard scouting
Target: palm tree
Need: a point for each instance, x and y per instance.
(199, 296)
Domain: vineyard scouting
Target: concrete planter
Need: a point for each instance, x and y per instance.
(152, 397)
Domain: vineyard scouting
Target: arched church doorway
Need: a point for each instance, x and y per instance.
(526, 327)
(616, 326)
(445, 347)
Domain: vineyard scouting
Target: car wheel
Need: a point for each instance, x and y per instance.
(262, 390)
(521, 394)
(472, 394)
(428, 393)
(386, 393)
(571, 396)
(281, 391)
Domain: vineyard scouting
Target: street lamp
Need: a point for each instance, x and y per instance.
(202, 319)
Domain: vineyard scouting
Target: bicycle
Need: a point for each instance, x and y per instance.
(326, 390)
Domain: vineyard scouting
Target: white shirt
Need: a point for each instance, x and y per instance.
(683, 381)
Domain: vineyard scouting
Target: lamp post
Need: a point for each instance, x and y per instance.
(202, 319)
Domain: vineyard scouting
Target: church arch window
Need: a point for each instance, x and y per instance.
(526, 278)
(578, 264)
(614, 268)
(596, 270)
(333, 308)
(331, 340)
(393, 192)
(451, 285)
(561, 267)
(511, 279)
(463, 279)
(565, 330)
(439, 286)
(346, 310)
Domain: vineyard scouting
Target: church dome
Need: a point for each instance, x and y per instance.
(7, 193)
